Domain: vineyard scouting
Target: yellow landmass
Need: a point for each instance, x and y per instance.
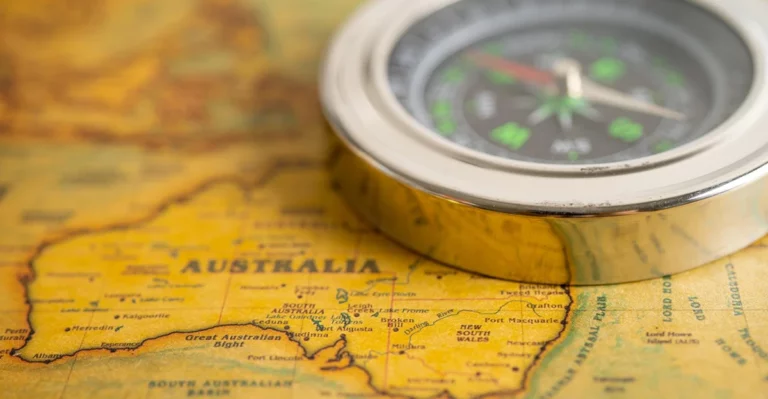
(267, 366)
(286, 254)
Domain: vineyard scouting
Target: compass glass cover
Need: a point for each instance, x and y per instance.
(571, 81)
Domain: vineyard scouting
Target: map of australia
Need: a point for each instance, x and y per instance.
(239, 256)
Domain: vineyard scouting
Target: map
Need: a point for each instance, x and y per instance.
(168, 229)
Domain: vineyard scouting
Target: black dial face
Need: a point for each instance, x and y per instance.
(571, 81)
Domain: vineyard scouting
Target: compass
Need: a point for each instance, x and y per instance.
(555, 141)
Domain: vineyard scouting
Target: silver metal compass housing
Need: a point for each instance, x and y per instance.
(592, 222)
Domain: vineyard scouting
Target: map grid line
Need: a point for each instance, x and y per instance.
(389, 331)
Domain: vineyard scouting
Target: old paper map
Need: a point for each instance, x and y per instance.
(168, 229)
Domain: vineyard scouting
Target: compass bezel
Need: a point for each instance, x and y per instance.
(368, 117)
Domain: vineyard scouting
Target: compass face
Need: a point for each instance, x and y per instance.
(571, 81)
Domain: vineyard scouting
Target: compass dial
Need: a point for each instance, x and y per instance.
(571, 81)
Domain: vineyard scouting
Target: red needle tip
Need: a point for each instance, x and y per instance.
(520, 71)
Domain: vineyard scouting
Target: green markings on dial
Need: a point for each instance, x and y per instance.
(511, 135)
(446, 128)
(441, 112)
(573, 156)
(607, 69)
(626, 130)
(497, 49)
(454, 74)
(500, 78)
(672, 77)
(663, 145)
(675, 79)
(441, 109)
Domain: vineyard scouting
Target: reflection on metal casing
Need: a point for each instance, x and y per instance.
(554, 250)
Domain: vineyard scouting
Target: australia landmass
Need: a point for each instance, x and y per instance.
(285, 255)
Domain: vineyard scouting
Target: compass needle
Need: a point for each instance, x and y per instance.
(600, 94)
(540, 114)
(565, 118)
(517, 70)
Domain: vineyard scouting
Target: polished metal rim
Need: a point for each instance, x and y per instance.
(355, 95)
